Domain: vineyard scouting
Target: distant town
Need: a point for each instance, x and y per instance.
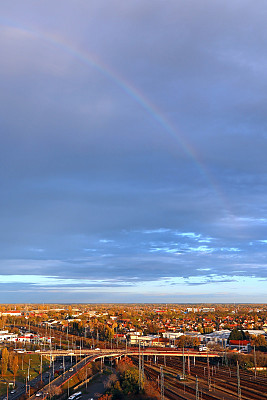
(150, 325)
(51, 351)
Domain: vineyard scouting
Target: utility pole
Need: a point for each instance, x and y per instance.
(49, 385)
(239, 396)
(139, 367)
(41, 368)
(225, 353)
(117, 336)
(197, 392)
(188, 364)
(255, 364)
(161, 384)
(208, 366)
(29, 386)
(183, 364)
(142, 372)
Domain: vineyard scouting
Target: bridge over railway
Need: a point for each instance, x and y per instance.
(100, 353)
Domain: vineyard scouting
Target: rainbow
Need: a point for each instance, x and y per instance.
(156, 114)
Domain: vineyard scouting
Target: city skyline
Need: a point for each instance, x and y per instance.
(133, 152)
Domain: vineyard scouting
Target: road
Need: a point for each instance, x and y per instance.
(45, 377)
(60, 380)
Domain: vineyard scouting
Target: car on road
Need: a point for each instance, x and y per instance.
(202, 348)
(75, 396)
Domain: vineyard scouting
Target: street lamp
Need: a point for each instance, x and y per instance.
(41, 368)
(7, 384)
(49, 386)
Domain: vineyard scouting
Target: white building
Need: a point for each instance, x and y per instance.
(143, 340)
(8, 336)
(255, 332)
(11, 314)
(172, 335)
(219, 337)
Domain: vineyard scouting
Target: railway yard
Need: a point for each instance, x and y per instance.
(203, 380)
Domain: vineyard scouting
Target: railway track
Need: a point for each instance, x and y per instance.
(226, 380)
(221, 385)
(185, 390)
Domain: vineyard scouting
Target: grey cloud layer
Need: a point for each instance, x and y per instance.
(85, 159)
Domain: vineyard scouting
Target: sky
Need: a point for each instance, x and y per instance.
(133, 151)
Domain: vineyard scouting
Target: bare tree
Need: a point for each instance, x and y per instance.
(110, 381)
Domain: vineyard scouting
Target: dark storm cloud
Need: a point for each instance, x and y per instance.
(133, 144)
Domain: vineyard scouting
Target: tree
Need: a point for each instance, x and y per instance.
(151, 391)
(54, 391)
(130, 381)
(117, 391)
(15, 366)
(208, 329)
(237, 334)
(105, 397)
(258, 341)
(5, 357)
(110, 381)
(84, 373)
(10, 360)
(188, 341)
